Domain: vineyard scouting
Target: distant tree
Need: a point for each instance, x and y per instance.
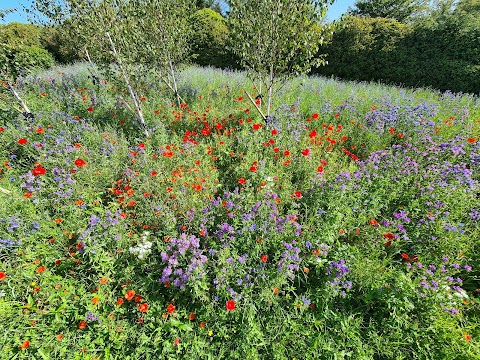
(209, 44)
(400, 10)
(276, 38)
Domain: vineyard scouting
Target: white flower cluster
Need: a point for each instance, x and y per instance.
(144, 247)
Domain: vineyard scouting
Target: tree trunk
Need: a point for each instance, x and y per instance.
(22, 103)
(130, 88)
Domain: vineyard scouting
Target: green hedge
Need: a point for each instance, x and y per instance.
(443, 54)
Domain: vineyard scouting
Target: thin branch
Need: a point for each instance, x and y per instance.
(174, 81)
(11, 105)
(256, 106)
(170, 87)
(5, 191)
(22, 103)
(127, 105)
(129, 86)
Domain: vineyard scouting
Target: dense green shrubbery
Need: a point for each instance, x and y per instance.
(210, 40)
(443, 54)
(21, 49)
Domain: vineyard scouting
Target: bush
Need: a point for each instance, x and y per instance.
(33, 57)
(441, 54)
(210, 40)
(21, 49)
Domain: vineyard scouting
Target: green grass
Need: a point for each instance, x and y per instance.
(343, 227)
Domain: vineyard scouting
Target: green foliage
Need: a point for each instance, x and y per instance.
(400, 10)
(17, 34)
(21, 50)
(60, 45)
(276, 38)
(210, 40)
(114, 209)
(443, 54)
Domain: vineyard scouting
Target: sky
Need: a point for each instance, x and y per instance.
(335, 11)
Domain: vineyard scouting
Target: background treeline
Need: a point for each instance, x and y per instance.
(434, 46)
(406, 42)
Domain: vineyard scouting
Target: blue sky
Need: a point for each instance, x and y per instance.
(335, 11)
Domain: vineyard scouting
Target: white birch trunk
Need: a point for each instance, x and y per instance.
(22, 103)
(130, 88)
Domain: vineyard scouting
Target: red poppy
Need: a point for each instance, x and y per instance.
(58, 262)
(191, 317)
(354, 157)
(405, 256)
(392, 131)
(467, 337)
(373, 222)
(130, 294)
(22, 141)
(313, 134)
(274, 132)
(202, 324)
(40, 269)
(39, 170)
(305, 152)
(170, 308)
(153, 173)
(143, 307)
(320, 169)
(253, 168)
(315, 116)
(257, 126)
(2, 129)
(39, 130)
(298, 194)
(286, 153)
(389, 236)
(82, 325)
(471, 140)
(230, 305)
(2, 275)
(25, 345)
(90, 109)
(120, 301)
(264, 258)
(242, 181)
(176, 341)
(80, 162)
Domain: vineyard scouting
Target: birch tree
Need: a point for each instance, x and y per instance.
(275, 39)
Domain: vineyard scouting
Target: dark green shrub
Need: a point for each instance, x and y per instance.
(443, 54)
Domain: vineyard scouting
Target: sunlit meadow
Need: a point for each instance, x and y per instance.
(346, 226)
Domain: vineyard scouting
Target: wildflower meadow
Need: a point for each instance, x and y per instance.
(344, 225)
